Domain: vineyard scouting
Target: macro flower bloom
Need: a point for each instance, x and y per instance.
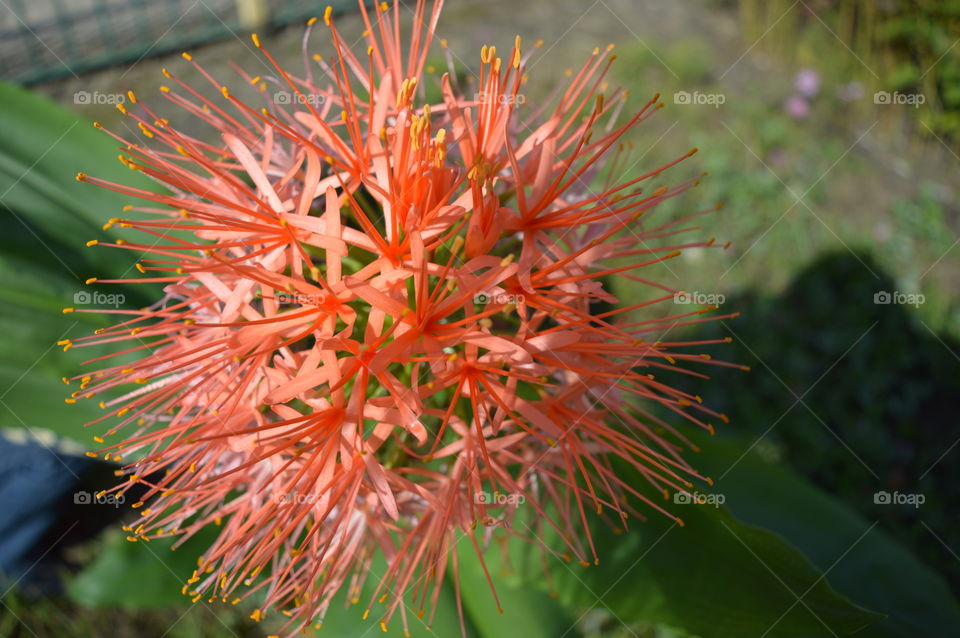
(387, 323)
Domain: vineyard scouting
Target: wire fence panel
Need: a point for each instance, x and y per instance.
(43, 40)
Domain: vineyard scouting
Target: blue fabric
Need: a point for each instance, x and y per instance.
(37, 485)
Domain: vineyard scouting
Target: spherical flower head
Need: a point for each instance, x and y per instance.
(387, 323)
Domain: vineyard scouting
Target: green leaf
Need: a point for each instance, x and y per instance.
(715, 577)
(346, 621)
(864, 563)
(160, 574)
(526, 611)
(137, 575)
(43, 148)
(31, 364)
(47, 217)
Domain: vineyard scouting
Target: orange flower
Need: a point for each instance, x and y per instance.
(385, 321)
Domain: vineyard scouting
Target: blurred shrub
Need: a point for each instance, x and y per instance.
(896, 45)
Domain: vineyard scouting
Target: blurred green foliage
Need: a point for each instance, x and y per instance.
(898, 45)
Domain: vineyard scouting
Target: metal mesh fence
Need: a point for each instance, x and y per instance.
(43, 40)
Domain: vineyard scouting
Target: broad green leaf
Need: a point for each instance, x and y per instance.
(48, 216)
(526, 611)
(150, 576)
(31, 364)
(716, 577)
(43, 148)
(137, 575)
(160, 574)
(864, 563)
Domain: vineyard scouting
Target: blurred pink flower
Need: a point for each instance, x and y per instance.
(797, 107)
(807, 83)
